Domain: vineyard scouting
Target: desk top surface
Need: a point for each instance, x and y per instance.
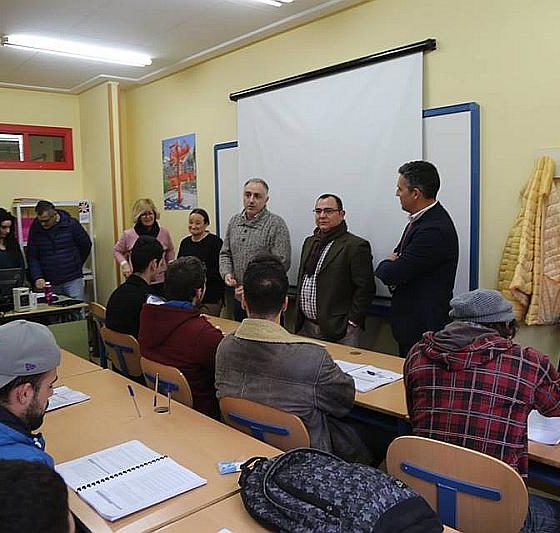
(109, 418)
(73, 365)
(227, 514)
(43, 309)
(389, 399)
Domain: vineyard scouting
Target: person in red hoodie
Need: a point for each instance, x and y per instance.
(176, 334)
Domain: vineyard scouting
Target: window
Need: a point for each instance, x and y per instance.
(35, 147)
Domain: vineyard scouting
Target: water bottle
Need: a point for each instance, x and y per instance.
(48, 293)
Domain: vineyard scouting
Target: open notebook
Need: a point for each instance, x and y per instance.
(126, 478)
(367, 377)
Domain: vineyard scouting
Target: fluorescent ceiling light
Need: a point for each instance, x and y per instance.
(270, 3)
(77, 50)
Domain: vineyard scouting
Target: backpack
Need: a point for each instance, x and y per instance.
(310, 490)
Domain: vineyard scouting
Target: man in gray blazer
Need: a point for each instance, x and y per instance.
(335, 280)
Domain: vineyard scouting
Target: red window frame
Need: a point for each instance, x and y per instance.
(26, 131)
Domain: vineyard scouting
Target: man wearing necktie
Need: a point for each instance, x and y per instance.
(421, 270)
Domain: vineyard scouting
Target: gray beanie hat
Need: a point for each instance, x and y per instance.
(482, 306)
(26, 348)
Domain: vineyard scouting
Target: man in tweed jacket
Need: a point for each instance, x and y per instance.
(252, 232)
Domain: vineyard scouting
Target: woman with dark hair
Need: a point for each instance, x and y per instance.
(10, 252)
(206, 246)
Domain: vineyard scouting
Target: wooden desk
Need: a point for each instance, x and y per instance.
(229, 514)
(389, 399)
(191, 439)
(73, 365)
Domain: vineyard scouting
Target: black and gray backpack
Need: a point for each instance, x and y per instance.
(309, 490)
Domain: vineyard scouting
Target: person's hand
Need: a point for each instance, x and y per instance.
(230, 281)
(40, 284)
(239, 291)
(393, 256)
(125, 269)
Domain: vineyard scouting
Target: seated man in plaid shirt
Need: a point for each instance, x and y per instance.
(451, 378)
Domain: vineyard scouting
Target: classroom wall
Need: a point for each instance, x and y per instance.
(495, 53)
(41, 109)
(99, 119)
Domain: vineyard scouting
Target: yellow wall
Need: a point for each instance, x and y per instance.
(42, 109)
(497, 53)
(99, 119)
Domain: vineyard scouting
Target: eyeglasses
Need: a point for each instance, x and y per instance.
(327, 210)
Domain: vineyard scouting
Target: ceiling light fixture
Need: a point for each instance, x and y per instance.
(77, 50)
(271, 3)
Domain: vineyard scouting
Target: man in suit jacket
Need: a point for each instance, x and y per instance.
(335, 280)
(421, 270)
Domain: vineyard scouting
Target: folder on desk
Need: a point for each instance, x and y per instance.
(127, 478)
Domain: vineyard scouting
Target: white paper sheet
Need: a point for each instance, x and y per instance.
(543, 429)
(368, 377)
(63, 396)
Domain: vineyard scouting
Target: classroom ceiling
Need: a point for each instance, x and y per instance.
(174, 33)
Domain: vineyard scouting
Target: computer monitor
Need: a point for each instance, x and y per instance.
(9, 279)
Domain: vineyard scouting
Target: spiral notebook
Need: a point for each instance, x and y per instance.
(127, 478)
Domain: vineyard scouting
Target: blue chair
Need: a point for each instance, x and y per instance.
(124, 353)
(273, 426)
(470, 491)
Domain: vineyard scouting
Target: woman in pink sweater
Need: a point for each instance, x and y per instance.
(145, 216)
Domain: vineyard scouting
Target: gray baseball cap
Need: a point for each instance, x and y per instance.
(26, 348)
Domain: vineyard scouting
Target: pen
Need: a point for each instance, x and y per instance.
(156, 389)
(131, 392)
(370, 372)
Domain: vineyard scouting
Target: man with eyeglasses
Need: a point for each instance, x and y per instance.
(253, 231)
(421, 270)
(57, 249)
(335, 280)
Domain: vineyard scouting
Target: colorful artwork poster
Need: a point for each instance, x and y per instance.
(179, 172)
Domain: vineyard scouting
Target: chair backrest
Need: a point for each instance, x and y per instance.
(169, 379)
(123, 351)
(97, 313)
(471, 491)
(273, 426)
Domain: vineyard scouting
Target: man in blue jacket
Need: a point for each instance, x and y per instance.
(29, 356)
(57, 249)
(421, 271)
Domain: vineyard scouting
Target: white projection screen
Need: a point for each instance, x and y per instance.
(346, 134)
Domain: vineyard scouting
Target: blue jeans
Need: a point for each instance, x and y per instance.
(73, 289)
(543, 515)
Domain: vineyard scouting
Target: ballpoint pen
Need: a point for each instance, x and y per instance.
(131, 392)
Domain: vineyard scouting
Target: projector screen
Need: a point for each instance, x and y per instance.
(345, 134)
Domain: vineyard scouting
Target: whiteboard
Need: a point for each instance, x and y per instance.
(451, 140)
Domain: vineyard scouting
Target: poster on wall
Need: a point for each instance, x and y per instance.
(179, 172)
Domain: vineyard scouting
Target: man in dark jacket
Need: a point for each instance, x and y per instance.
(125, 304)
(471, 385)
(175, 334)
(421, 270)
(335, 280)
(57, 249)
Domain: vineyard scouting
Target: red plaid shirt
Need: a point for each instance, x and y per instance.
(479, 396)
